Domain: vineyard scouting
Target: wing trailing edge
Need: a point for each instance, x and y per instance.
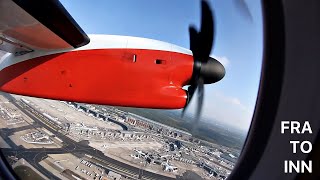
(32, 25)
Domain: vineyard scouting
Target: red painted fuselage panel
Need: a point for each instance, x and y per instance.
(121, 77)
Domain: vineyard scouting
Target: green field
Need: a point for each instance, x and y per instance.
(26, 173)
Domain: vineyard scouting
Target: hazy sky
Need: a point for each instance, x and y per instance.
(238, 43)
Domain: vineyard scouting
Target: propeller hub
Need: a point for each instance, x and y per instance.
(212, 71)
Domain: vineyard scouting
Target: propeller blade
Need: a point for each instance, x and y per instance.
(206, 33)
(243, 8)
(191, 91)
(199, 104)
(194, 46)
(200, 98)
(201, 42)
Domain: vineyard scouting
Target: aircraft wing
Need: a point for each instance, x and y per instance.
(38, 25)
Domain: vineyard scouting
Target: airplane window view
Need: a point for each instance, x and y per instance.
(128, 89)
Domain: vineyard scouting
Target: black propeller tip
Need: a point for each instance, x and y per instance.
(244, 10)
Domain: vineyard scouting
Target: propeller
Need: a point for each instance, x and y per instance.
(243, 8)
(206, 70)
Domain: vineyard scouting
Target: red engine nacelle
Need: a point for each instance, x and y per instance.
(111, 70)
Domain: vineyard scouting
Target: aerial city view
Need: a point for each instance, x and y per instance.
(49, 139)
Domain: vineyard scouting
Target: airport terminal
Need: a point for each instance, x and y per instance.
(100, 142)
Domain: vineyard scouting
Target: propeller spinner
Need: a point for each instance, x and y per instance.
(206, 70)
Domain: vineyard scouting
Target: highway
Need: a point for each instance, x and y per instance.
(79, 149)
